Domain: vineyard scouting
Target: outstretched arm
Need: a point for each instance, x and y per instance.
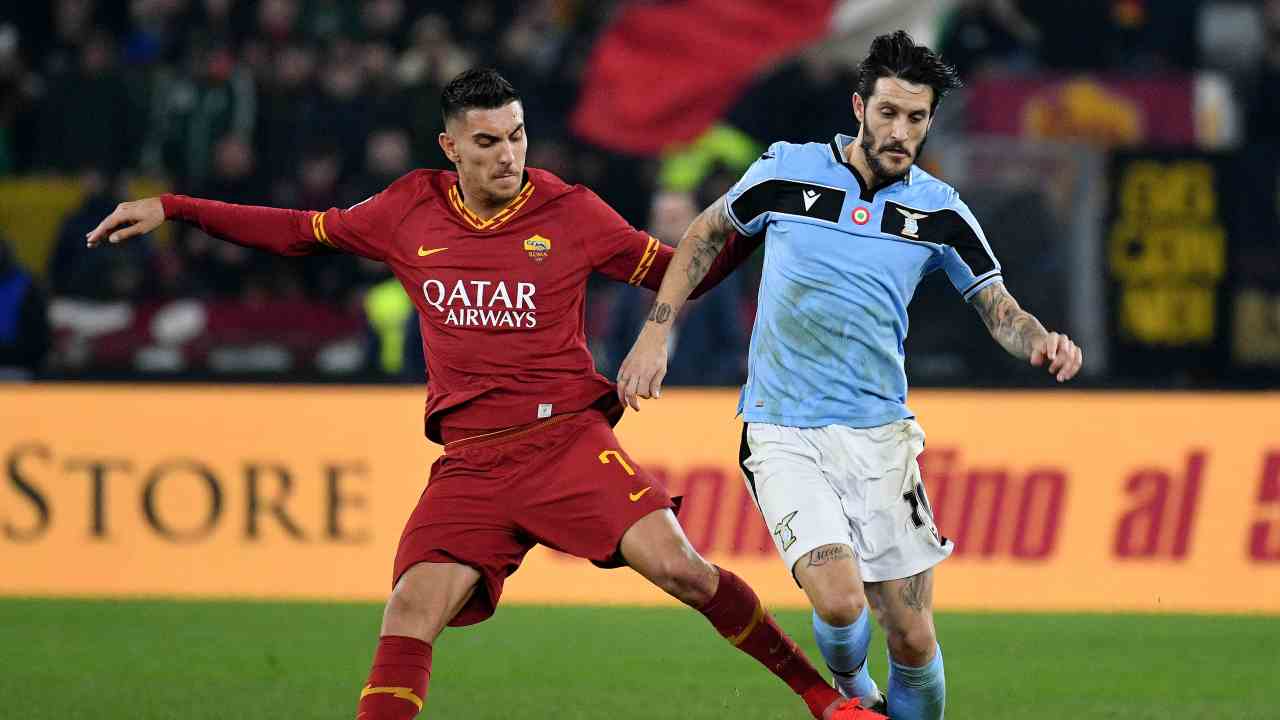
(285, 232)
(1022, 335)
(641, 373)
(365, 228)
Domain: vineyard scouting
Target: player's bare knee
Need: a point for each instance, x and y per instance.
(913, 644)
(415, 609)
(829, 576)
(405, 603)
(839, 607)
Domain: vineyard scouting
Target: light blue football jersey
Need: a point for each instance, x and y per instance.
(842, 262)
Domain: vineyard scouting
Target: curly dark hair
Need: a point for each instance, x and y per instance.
(897, 55)
(481, 88)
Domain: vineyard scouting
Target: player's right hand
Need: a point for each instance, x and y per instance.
(1063, 355)
(644, 368)
(128, 220)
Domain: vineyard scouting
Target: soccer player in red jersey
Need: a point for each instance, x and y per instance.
(496, 258)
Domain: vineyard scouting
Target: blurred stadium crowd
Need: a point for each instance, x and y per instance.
(310, 104)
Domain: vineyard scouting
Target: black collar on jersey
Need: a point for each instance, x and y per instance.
(866, 194)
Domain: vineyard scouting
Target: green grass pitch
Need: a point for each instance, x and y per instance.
(104, 660)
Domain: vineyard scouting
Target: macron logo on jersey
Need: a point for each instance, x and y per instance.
(810, 197)
(483, 303)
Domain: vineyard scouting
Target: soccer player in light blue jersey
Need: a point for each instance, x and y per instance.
(829, 447)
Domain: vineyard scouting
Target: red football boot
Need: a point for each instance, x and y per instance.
(851, 710)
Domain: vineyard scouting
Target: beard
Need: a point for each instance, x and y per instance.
(882, 172)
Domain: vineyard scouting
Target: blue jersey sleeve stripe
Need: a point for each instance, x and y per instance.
(728, 212)
(980, 283)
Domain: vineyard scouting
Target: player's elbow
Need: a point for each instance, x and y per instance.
(297, 249)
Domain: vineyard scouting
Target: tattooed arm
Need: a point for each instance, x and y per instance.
(640, 375)
(1014, 328)
(1022, 335)
(693, 258)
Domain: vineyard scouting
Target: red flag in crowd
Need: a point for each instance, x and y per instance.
(663, 72)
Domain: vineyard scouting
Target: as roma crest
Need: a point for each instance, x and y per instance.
(538, 248)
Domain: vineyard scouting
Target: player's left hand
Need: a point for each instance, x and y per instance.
(128, 220)
(1063, 355)
(641, 373)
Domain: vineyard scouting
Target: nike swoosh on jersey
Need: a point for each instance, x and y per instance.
(423, 252)
(635, 496)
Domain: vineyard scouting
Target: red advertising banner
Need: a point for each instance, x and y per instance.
(1056, 500)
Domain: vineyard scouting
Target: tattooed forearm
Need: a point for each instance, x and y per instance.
(704, 253)
(1014, 328)
(661, 313)
(916, 591)
(693, 259)
(708, 233)
(829, 553)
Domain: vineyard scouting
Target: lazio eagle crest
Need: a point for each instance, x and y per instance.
(786, 537)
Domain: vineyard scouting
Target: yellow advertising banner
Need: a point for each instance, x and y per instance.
(1056, 500)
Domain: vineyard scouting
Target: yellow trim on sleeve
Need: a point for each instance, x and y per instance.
(317, 229)
(646, 261)
(324, 234)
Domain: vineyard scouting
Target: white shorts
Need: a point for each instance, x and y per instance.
(840, 485)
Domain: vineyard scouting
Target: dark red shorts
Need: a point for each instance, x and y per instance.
(565, 483)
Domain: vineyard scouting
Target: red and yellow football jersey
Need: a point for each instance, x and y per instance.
(501, 301)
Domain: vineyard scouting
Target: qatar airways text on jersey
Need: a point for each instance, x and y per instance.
(483, 303)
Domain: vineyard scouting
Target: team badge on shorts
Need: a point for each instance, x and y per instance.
(786, 536)
(538, 248)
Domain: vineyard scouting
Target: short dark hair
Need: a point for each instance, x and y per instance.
(481, 88)
(897, 55)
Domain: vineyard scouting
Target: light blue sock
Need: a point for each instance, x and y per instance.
(845, 650)
(917, 693)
